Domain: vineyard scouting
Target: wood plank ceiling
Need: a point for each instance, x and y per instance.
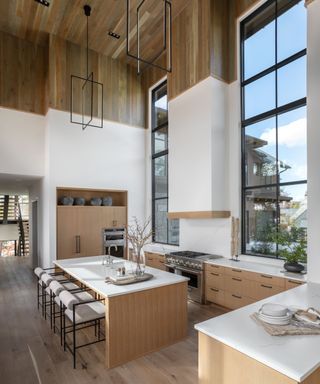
(31, 21)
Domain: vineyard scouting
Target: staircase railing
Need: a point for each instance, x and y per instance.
(22, 244)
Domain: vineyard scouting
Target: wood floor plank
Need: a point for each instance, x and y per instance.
(22, 329)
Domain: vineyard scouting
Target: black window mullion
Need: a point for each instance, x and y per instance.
(154, 156)
(278, 110)
(275, 67)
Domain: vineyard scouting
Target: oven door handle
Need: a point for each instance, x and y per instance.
(187, 270)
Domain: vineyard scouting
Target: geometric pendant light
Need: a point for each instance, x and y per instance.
(166, 46)
(86, 96)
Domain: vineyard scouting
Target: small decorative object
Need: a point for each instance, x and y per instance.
(95, 201)
(138, 235)
(292, 247)
(79, 201)
(235, 231)
(107, 201)
(66, 200)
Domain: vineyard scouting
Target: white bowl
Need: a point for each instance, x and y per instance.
(274, 310)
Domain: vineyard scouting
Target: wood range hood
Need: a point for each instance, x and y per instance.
(199, 215)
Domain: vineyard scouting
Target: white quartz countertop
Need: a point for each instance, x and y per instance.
(294, 356)
(91, 272)
(268, 269)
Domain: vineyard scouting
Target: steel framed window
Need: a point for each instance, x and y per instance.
(164, 231)
(272, 186)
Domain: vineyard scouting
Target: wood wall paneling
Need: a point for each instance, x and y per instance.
(123, 93)
(23, 74)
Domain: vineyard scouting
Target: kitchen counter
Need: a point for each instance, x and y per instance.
(153, 312)
(89, 271)
(268, 269)
(296, 357)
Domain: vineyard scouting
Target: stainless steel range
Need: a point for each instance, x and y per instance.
(190, 264)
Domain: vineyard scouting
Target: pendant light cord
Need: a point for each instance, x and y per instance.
(87, 46)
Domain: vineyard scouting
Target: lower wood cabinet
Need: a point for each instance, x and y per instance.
(292, 284)
(234, 288)
(155, 260)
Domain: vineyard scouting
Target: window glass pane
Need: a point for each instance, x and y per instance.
(292, 82)
(260, 221)
(161, 221)
(173, 232)
(293, 213)
(160, 112)
(259, 96)
(161, 176)
(160, 138)
(259, 43)
(260, 153)
(292, 145)
(292, 30)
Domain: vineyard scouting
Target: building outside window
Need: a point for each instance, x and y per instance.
(164, 231)
(274, 153)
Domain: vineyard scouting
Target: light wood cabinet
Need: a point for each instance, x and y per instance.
(234, 287)
(79, 228)
(155, 260)
(293, 283)
(235, 300)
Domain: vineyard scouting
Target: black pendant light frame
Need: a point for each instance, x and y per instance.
(86, 80)
(167, 19)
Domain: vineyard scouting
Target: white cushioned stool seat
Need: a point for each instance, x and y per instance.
(81, 296)
(39, 271)
(46, 279)
(69, 286)
(87, 312)
(56, 287)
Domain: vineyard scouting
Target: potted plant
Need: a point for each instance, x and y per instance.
(138, 234)
(292, 248)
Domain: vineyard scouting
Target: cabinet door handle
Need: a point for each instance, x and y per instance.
(214, 289)
(266, 286)
(78, 245)
(237, 297)
(236, 270)
(236, 279)
(266, 276)
(294, 282)
(162, 262)
(214, 274)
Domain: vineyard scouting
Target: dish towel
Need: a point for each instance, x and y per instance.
(294, 328)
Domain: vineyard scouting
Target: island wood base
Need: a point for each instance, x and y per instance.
(143, 322)
(220, 364)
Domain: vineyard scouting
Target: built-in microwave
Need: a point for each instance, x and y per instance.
(114, 242)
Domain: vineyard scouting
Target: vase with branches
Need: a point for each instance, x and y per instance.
(139, 234)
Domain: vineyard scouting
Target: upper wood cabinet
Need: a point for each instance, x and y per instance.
(80, 228)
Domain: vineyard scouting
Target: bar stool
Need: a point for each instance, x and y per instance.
(59, 276)
(81, 315)
(56, 288)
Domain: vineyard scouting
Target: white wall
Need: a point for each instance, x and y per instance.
(197, 122)
(111, 158)
(313, 136)
(9, 232)
(22, 143)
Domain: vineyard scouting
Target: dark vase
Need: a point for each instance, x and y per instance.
(293, 267)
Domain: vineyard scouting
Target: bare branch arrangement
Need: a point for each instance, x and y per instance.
(138, 233)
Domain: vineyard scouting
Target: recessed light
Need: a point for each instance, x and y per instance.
(43, 2)
(114, 35)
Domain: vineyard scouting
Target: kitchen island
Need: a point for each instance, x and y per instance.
(140, 318)
(235, 349)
